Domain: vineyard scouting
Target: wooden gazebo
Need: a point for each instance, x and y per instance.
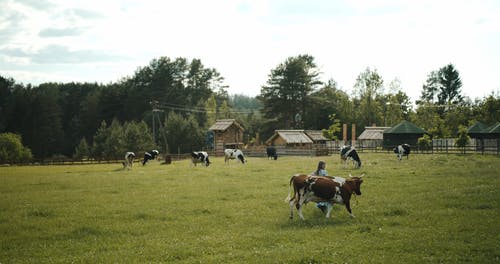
(402, 133)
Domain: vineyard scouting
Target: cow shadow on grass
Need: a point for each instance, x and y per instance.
(316, 219)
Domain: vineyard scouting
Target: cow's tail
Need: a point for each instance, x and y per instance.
(289, 197)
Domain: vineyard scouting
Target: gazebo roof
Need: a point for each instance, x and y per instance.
(478, 127)
(405, 127)
(494, 129)
(223, 124)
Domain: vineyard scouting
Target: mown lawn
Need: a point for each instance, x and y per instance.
(428, 209)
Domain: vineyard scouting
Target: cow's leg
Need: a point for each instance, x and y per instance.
(328, 210)
(348, 207)
(299, 210)
(292, 204)
(300, 203)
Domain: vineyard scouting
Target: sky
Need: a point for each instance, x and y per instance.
(106, 40)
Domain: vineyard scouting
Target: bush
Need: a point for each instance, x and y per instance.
(463, 139)
(12, 149)
(82, 151)
(424, 143)
(114, 140)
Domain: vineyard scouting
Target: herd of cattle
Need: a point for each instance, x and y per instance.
(306, 188)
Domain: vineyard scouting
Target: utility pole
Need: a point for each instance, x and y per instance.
(155, 113)
(154, 105)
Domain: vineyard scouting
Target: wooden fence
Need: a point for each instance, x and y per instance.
(444, 146)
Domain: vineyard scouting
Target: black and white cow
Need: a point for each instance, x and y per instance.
(199, 157)
(329, 190)
(150, 155)
(233, 154)
(129, 160)
(402, 150)
(271, 153)
(349, 153)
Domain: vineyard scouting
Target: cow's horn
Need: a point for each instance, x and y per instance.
(362, 175)
(350, 176)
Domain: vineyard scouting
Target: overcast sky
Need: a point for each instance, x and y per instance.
(106, 40)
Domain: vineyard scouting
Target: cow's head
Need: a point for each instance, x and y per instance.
(356, 182)
(396, 150)
(242, 158)
(207, 162)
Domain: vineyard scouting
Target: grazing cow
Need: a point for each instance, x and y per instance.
(309, 188)
(349, 153)
(271, 153)
(402, 150)
(129, 160)
(150, 155)
(233, 154)
(199, 157)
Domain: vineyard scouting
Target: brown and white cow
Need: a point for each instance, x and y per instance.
(308, 188)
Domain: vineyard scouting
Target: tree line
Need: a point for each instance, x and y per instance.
(179, 99)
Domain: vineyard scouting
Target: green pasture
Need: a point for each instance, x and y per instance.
(428, 209)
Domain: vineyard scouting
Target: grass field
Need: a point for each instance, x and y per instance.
(428, 209)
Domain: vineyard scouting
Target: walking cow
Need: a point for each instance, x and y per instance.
(330, 190)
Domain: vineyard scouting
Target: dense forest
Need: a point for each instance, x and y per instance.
(170, 103)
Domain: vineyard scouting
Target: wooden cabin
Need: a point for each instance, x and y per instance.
(372, 137)
(227, 134)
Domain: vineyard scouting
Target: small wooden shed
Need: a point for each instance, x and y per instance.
(372, 137)
(316, 136)
(290, 138)
(404, 132)
(227, 134)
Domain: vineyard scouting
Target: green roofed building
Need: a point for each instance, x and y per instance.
(477, 130)
(404, 132)
(482, 131)
(484, 135)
